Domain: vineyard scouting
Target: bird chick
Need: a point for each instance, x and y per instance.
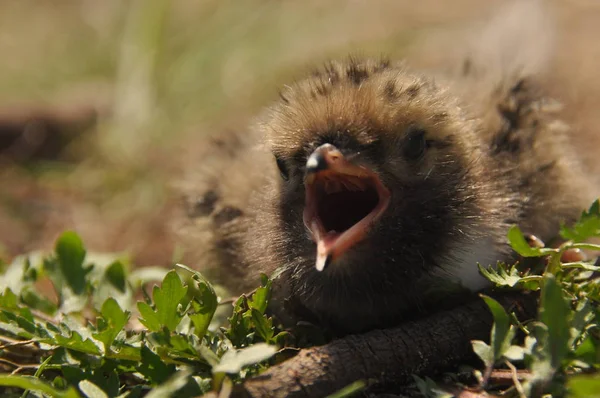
(377, 190)
(390, 193)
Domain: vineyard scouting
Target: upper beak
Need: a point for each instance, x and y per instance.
(322, 158)
(327, 158)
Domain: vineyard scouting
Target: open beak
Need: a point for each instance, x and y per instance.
(343, 200)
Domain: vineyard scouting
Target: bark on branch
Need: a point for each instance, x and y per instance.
(385, 357)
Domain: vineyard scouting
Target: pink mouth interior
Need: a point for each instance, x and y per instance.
(339, 210)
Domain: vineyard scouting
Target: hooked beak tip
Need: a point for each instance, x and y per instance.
(323, 261)
(322, 159)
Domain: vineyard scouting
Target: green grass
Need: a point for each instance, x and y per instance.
(82, 335)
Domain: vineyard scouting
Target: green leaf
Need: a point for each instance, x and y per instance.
(234, 360)
(91, 390)
(204, 302)
(59, 382)
(154, 368)
(350, 390)
(35, 384)
(502, 275)
(589, 351)
(583, 316)
(208, 355)
(264, 279)
(74, 374)
(584, 265)
(106, 377)
(428, 388)
(75, 342)
(201, 316)
(280, 338)
(20, 317)
(40, 370)
(584, 386)
(171, 387)
(114, 320)
(519, 244)
(166, 299)
(149, 317)
(585, 246)
(239, 323)
(100, 381)
(260, 298)
(587, 227)
(264, 326)
(116, 275)
(110, 281)
(555, 314)
(502, 333)
(71, 254)
(540, 358)
(8, 300)
(484, 352)
(37, 302)
(514, 353)
(183, 346)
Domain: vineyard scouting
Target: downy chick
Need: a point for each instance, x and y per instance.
(390, 193)
(377, 191)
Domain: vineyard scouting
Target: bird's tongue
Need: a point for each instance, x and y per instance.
(325, 245)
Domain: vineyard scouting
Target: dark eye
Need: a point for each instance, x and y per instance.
(415, 144)
(283, 170)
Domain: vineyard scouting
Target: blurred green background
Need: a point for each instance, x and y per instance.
(102, 102)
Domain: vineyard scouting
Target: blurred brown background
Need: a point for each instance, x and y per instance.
(103, 102)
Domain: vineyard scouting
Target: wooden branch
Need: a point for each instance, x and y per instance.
(386, 357)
